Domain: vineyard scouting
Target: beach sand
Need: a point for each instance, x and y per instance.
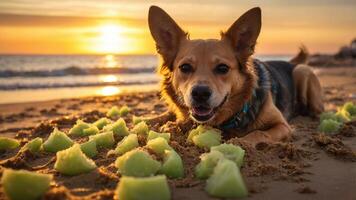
(310, 166)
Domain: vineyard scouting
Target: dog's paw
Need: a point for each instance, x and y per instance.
(176, 127)
(258, 138)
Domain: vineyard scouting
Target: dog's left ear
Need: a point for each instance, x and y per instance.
(243, 33)
(166, 33)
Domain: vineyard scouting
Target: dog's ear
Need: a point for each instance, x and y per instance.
(166, 33)
(243, 33)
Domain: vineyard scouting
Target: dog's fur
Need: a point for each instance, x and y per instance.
(229, 91)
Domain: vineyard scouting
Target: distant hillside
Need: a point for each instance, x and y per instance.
(346, 56)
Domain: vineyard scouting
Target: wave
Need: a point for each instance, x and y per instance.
(75, 71)
(71, 85)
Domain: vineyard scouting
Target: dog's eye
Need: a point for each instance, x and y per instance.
(221, 69)
(186, 68)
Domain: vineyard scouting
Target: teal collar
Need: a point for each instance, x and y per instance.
(251, 108)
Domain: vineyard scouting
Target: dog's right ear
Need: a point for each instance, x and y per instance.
(166, 33)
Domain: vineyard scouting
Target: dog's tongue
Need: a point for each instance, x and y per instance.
(201, 111)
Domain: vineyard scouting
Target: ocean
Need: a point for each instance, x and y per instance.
(44, 77)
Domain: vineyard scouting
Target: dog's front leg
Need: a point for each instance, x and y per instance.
(269, 127)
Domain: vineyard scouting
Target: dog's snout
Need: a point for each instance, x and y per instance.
(201, 93)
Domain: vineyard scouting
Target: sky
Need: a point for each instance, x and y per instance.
(120, 26)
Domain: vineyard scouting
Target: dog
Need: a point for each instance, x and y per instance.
(216, 81)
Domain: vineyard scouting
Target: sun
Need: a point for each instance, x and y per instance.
(110, 39)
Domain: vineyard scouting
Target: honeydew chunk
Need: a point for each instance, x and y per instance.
(172, 165)
(207, 139)
(92, 130)
(89, 148)
(33, 146)
(158, 145)
(124, 110)
(154, 134)
(73, 161)
(136, 120)
(330, 126)
(147, 188)
(231, 152)
(328, 115)
(22, 184)
(226, 181)
(350, 108)
(194, 132)
(57, 141)
(8, 143)
(119, 128)
(105, 140)
(127, 144)
(78, 128)
(140, 128)
(113, 112)
(207, 164)
(137, 163)
(100, 123)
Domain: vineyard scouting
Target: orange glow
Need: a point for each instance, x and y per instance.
(120, 27)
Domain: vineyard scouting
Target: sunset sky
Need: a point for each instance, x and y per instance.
(105, 26)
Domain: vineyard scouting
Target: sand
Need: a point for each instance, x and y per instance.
(310, 166)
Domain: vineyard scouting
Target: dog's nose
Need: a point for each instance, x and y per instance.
(201, 93)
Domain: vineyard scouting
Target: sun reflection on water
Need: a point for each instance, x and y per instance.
(108, 78)
(108, 91)
(110, 61)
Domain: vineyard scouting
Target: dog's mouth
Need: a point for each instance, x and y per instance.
(204, 112)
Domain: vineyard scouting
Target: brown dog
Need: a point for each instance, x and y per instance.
(216, 82)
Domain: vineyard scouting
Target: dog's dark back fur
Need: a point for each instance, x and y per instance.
(282, 81)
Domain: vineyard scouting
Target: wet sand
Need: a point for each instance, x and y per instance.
(310, 166)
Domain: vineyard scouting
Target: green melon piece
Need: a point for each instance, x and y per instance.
(113, 112)
(154, 134)
(124, 110)
(92, 130)
(73, 161)
(207, 164)
(196, 131)
(137, 163)
(226, 181)
(89, 148)
(350, 108)
(328, 115)
(22, 184)
(78, 128)
(330, 126)
(147, 188)
(34, 145)
(119, 128)
(158, 145)
(231, 152)
(136, 120)
(100, 123)
(172, 165)
(140, 128)
(105, 140)
(8, 143)
(127, 144)
(207, 139)
(57, 141)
